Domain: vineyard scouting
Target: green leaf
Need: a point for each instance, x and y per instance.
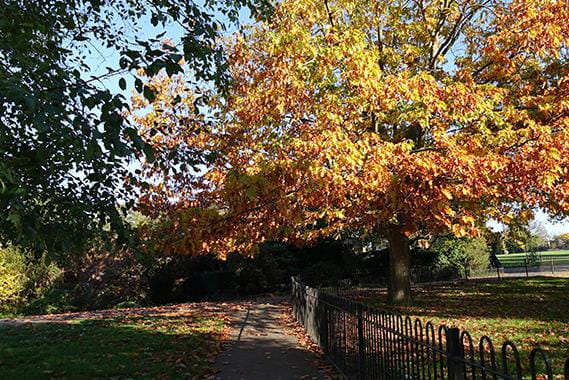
(251, 193)
(149, 153)
(138, 84)
(149, 94)
(15, 218)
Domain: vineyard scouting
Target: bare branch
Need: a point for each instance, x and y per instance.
(329, 13)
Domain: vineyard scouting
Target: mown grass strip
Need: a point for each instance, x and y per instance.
(152, 346)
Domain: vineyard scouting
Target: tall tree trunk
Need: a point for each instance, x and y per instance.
(399, 289)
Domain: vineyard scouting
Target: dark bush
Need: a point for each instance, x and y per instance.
(325, 273)
(190, 278)
(56, 300)
(108, 277)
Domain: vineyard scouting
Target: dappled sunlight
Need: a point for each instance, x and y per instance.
(530, 312)
(167, 345)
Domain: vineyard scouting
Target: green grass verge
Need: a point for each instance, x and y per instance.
(142, 347)
(530, 312)
(555, 252)
(543, 258)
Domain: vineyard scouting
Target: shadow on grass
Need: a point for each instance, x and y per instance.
(532, 312)
(126, 347)
(539, 298)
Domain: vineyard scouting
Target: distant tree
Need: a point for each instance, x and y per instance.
(538, 239)
(516, 235)
(562, 241)
(466, 256)
(524, 236)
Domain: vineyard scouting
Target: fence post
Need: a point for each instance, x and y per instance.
(454, 354)
(323, 324)
(361, 342)
(294, 296)
(526, 264)
(552, 267)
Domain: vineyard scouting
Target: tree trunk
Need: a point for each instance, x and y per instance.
(399, 289)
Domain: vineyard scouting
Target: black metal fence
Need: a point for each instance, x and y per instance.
(367, 343)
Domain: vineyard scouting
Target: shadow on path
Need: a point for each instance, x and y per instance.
(260, 349)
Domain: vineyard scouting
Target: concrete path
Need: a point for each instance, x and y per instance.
(260, 349)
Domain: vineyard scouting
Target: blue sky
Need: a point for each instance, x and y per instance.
(552, 227)
(100, 58)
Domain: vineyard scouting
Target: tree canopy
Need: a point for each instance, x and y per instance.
(65, 144)
(399, 117)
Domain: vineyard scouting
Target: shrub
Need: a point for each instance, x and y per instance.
(460, 257)
(252, 279)
(13, 279)
(56, 300)
(23, 277)
(325, 273)
(105, 278)
(182, 278)
(268, 270)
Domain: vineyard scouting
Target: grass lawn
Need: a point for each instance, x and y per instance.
(530, 312)
(560, 257)
(160, 345)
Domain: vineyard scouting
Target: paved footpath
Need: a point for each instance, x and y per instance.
(260, 349)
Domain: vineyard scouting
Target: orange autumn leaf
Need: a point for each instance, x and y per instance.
(364, 116)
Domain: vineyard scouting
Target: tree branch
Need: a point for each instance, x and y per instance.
(329, 13)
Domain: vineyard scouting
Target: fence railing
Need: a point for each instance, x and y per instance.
(367, 343)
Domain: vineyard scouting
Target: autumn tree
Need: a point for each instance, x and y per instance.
(399, 117)
(561, 241)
